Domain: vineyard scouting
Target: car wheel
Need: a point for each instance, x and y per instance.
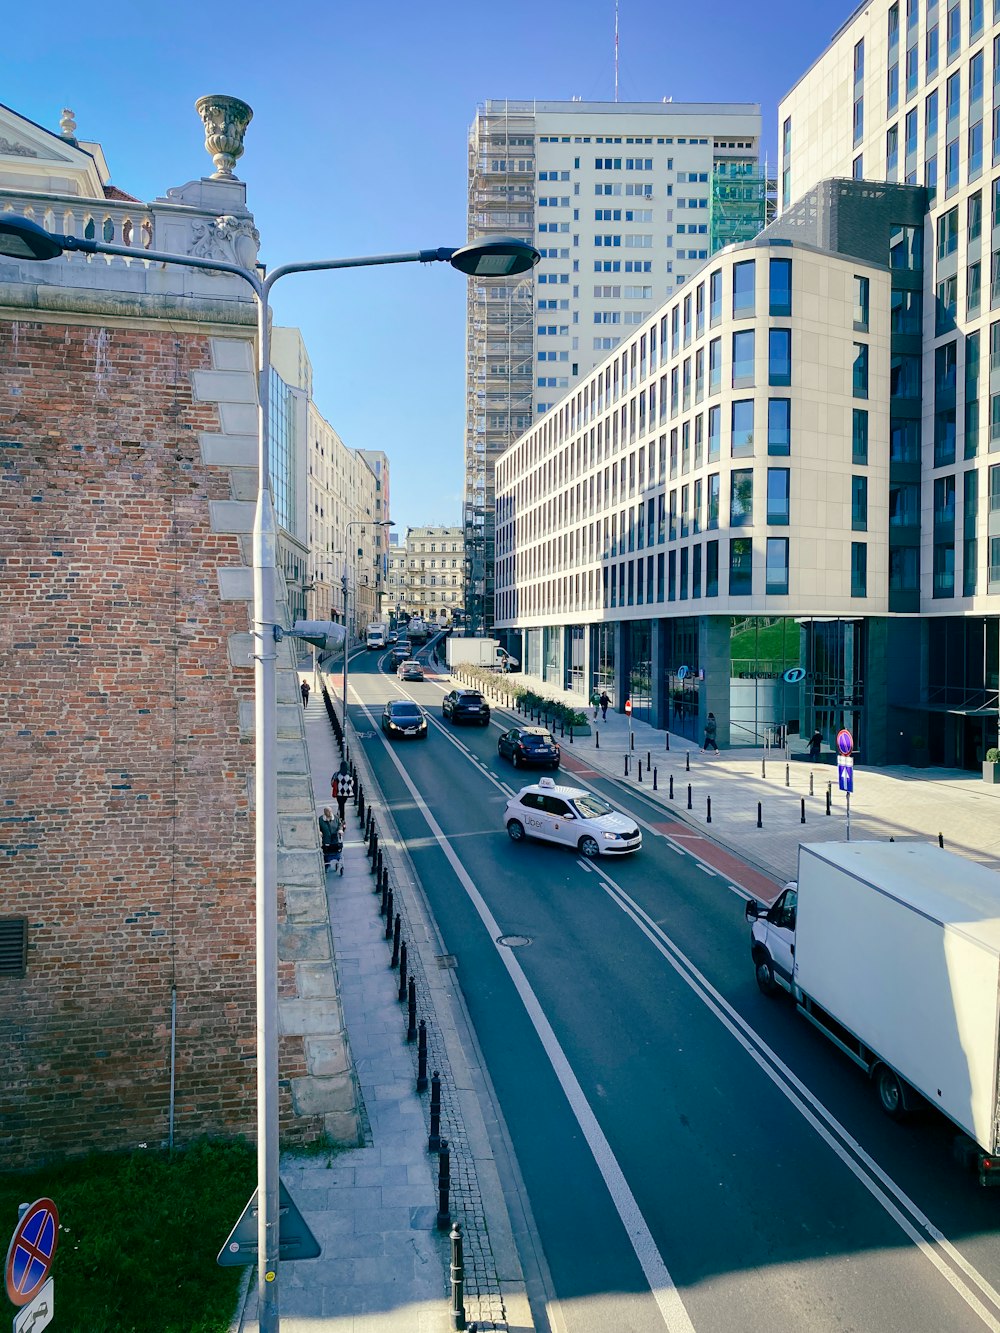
(516, 759)
(515, 830)
(589, 848)
(764, 973)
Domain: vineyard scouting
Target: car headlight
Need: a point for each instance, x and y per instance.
(611, 837)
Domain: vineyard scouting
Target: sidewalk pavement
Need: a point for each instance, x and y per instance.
(385, 1265)
(899, 802)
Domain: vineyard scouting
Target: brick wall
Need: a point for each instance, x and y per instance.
(126, 834)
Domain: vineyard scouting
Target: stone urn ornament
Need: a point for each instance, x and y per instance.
(226, 120)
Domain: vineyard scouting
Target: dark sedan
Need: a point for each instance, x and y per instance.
(529, 745)
(402, 718)
(466, 706)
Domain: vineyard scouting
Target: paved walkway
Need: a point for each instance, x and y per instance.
(385, 1266)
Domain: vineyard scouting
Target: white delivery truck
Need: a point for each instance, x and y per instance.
(892, 950)
(375, 635)
(479, 652)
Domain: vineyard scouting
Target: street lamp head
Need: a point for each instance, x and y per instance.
(495, 257)
(20, 238)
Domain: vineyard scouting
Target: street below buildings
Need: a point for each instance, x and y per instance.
(691, 1154)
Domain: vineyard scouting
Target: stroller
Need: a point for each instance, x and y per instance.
(333, 851)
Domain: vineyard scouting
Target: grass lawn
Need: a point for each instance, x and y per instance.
(139, 1235)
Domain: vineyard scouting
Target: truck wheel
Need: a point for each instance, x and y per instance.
(890, 1093)
(764, 972)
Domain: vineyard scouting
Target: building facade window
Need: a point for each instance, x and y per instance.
(776, 565)
(779, 425)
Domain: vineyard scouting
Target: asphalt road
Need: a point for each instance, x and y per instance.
(695, 1155)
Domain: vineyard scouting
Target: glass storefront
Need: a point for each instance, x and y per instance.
(681, 677)
(640, 658)
(552, 656)
(576, 672)
(602, 648)
(763, 709)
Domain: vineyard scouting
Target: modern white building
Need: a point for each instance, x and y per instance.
(795, 445)
(625, 201)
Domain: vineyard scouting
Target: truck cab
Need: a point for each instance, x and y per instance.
(772, 940)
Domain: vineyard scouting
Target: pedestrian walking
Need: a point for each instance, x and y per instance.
(815, 741)
(332, 838)
(595, 701)
(304, 687)
(605, 703)
(342, 789)
(711, 729)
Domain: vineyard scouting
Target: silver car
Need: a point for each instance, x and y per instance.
(573, 817)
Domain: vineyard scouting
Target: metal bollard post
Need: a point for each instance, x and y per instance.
(378, 869)
(668, 740)
(385, 896)
(708, 817)
(828, 798)
(422, 1057)
(763, 768)
(649, 761)
(687, 761)
(411, 1011)
(760, 821)
(571, 733)
(401, 993)
(385, 879)
(654, 779)
(562, 726)
(640, 770)
(810, 784)
(940, 839)
(631, 740)
(671, 786)
(689, 797)
(626, 765)
(457, 1278)
(787, 783)
(361, 805)
(444, 1186)
(802, 810)
(434, 1137)
(397, 927)
(388, 917)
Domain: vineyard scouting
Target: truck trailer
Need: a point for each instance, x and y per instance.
(892, 950)
(479, 652)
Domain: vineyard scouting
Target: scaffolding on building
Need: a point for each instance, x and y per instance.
(742, 202)
(500, 331)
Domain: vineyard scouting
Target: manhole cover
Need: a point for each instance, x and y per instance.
(514, 941)
(446, 961)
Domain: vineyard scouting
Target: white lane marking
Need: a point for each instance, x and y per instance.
(864, 1167)
(665, 1293)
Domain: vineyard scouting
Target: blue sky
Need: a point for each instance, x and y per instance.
(358, 146)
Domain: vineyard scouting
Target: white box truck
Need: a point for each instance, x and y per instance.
(479, 652)
(892, 950)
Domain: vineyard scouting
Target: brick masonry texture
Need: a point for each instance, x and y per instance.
(126, 833)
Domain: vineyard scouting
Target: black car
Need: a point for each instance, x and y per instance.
(466, 706)
(529, 745)
(402, 718)
(401, 652)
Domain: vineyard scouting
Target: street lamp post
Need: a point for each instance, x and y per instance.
(355, 523)
(22, 239)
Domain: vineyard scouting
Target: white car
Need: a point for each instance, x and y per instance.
(573, 817)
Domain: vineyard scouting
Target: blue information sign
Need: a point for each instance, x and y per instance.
(793, 675)
(845, 773)
(683, 672)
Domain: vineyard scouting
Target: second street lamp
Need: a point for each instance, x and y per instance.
(22, 239)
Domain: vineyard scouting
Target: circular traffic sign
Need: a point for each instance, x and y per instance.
(31, 1251)
(793, 675)
(845, 741)
(683, 672)
(628, 706)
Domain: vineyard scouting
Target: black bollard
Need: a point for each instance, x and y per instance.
(571, 733)
(787, 783)
(562, 726)
(708, 803)
(828, 798)
(689, 797)
(389, 919)
(434, 1137)
(640, 770)
(444, 1186)
(378, 870)
(411, 1011)
(654, 779)
(687, 761)
(810, 784)
(401, 993)
(760, 821)
(671, 786)
(385, 879)
(597, 739)
(763, 769)
(383, 905)
(626, 765)
(940, 839)
(422, 1057)
(397, 929)
(631, 740)
(802, 810)
(668, 740)
(457, 1278)
(361, 805)
(649, 761)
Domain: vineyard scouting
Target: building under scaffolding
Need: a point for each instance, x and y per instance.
(499, 373)
(741, 204)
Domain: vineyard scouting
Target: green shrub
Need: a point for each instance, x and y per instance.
(993, 756)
